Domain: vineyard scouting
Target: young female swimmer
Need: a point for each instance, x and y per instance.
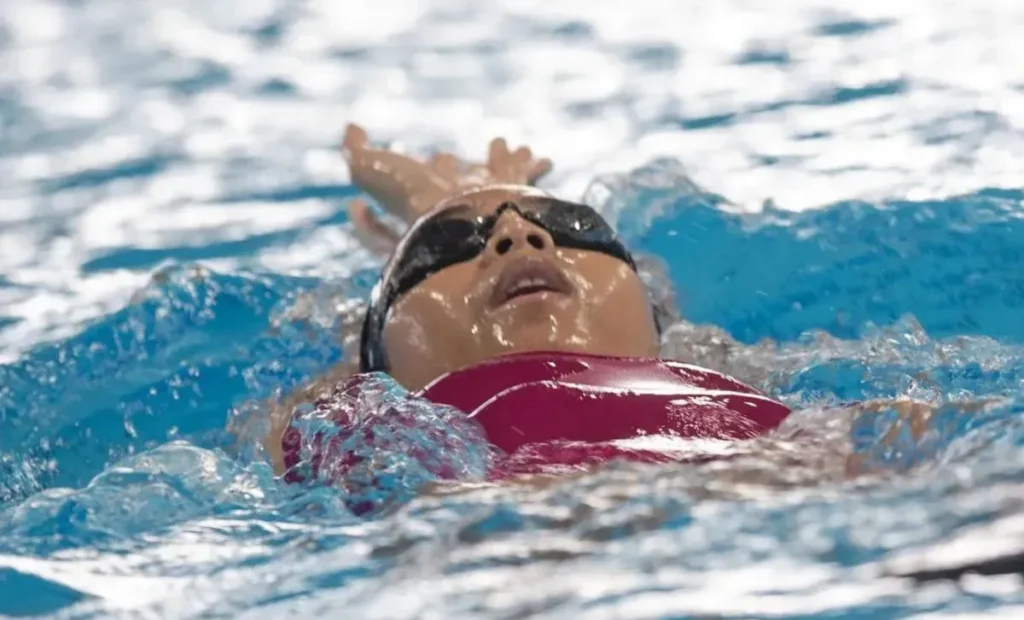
(526, 313)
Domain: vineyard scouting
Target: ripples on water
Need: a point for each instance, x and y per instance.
(132, 149)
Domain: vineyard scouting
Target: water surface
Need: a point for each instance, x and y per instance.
(170, 196)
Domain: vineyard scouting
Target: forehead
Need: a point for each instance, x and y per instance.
(486, 201)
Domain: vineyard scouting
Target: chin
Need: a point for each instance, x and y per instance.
(539, 327)
(547, 309)
(541, 340)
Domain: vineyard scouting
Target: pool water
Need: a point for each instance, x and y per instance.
(174, 251)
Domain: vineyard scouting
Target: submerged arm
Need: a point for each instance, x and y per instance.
(281, 410)
(908, 428)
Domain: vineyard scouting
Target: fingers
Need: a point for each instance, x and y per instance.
(531, 169)
(503, 163)
(517, 166)
(540, 168)
(371, 232)
(522, 156)
(520, 162)
(498, 150)
(355, 138)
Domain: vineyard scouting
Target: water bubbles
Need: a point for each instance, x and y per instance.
(380, 445)
(128, 419)
(136, 148)
(130, 428)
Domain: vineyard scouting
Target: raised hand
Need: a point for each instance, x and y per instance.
(515, 167)
(408, 188)
(402, 185)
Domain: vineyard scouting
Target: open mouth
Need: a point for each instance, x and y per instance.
(528, 278)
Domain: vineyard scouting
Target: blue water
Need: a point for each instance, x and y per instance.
(157, 288)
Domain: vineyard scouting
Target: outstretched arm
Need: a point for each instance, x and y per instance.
(407, 188)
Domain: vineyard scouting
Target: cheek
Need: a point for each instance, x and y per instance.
(619, 305)
(404, 337)
(420, 330)
(614, 290)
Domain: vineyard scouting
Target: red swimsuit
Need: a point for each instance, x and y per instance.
(549, 410)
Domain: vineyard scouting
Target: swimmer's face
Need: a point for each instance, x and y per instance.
(522, 293)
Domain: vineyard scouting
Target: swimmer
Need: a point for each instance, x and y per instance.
(528, 314)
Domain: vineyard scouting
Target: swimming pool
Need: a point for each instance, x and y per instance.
(187, 208)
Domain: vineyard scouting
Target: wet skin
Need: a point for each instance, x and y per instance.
(522, 293)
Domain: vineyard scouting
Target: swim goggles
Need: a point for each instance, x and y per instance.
(459, 233)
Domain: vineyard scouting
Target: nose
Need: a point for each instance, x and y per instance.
(512, 233)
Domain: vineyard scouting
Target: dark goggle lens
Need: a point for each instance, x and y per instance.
(574, 223)
(578, 226)
(451, 239)
(438, 243)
